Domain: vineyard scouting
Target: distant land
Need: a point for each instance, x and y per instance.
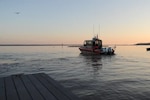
(142, 44)
(69, 45)
(31, 44)
(73, 45)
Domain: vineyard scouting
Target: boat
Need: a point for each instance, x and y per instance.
(95, 46)
(148, 49)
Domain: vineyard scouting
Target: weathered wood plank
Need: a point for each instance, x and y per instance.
(51, 88)
(59, 87)
(2, 89)
(31, 88)
(44, 91)
(22, 91)
(11, 93)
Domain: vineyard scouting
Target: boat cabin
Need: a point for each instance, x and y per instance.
(94, 43)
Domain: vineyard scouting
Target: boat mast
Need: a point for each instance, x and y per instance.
(93, 30)
(98, 33)
(99, 30)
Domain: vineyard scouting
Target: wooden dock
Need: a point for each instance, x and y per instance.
(33, 87)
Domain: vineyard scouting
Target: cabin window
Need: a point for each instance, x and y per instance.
(88, 43)
(96, 43)
(100, 44)
(84, 43)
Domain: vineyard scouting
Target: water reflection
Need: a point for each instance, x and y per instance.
(95, 63)
(92, 63)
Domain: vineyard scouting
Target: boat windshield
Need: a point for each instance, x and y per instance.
(93, 43)
(88, 43)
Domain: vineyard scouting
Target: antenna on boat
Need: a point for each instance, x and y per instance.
(98, 33)
(99, 30)
(93, 29)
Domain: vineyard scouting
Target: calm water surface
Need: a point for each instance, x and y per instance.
(124, 76)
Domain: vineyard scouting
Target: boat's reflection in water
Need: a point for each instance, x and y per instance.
(96, 62)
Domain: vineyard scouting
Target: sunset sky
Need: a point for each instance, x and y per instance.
(72, 21)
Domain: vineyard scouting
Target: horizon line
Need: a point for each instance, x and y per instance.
(61, 44)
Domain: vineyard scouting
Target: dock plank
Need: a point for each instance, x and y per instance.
(22, 91)
(59, 87)
(51, 88)
(11, 93)
(31, 88)
(46, 94)
(2, 89)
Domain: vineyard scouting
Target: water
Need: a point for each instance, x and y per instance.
(124, 76)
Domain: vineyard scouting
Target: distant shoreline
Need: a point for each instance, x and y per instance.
(69, 45)
(30, 44)
(142, 44)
